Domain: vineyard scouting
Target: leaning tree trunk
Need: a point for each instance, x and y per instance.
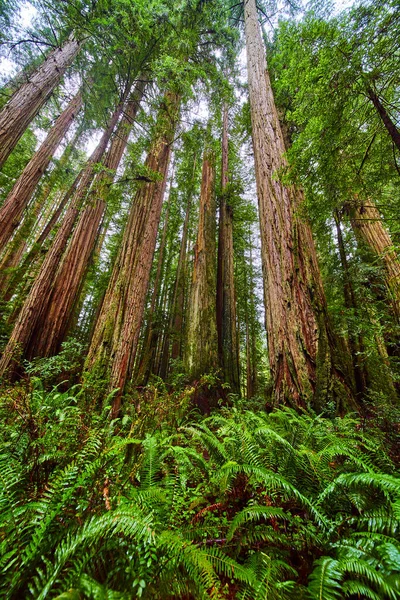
(228, 339)
(18, 199)
(70, 275)
(201, 351)
(300, 344)
(115, 338)
(367, 224)
(26, 102)
(24, 342)
(385, 117)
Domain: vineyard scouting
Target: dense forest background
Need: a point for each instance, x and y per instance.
(199, 299)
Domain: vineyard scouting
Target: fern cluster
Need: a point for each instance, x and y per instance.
(241, 504)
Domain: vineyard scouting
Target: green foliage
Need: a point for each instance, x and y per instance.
(68, 360)
(239, 504)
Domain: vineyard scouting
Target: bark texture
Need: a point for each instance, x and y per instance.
(115, 338)
(201, 351)
(152, 334)
(300, 344)
(367, 224)
(26, 102)
(18, 199)
(228, 339)
(23, 341)
(70, 274)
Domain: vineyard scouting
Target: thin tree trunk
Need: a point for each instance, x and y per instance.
(20, 195)
(356, 345)
(115, 339)
(201, 352)
(300, 343)
(250, 315)
(23, 341)
(228, 339)
(26, 102)
(386, 120)
(178, 303)
(75, 261)
(367, 224)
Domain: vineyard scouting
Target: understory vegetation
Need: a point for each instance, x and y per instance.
(166, 503)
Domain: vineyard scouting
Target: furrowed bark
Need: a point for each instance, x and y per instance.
(201, 352)
(71, 272)
(114, 343)
(228, 339)
(18, 199)
(23, 342)
(367, 224)
(300, 343)
(152, 332)
(26, 102)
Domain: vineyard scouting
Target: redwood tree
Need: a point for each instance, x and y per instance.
(70, 274)
(17, 200)
(26, 102)
(367, 225)
(301, 347)
(228, 340)
(201, 348)
(23, 341)
(115, 339)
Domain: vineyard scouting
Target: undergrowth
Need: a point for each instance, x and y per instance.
(165, 504)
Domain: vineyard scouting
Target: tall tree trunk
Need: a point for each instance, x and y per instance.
(367, 224)
(228, 339)
(26, 102)
(356, 345)
(114, 343)
(51, 331)
(18, 199)
(201, 352)
(153, 327)
(250, 316)
(385, 117)
(23, 341)
(178, 303)
(300, 343)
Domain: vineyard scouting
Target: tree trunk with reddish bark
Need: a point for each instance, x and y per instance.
(153, 328)
(228, 338)
(18, 199)
(114, 343)
(302, 350)
(24, 342)
(71, 272)
(201, 349)
(26, 102)
(367, 225)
